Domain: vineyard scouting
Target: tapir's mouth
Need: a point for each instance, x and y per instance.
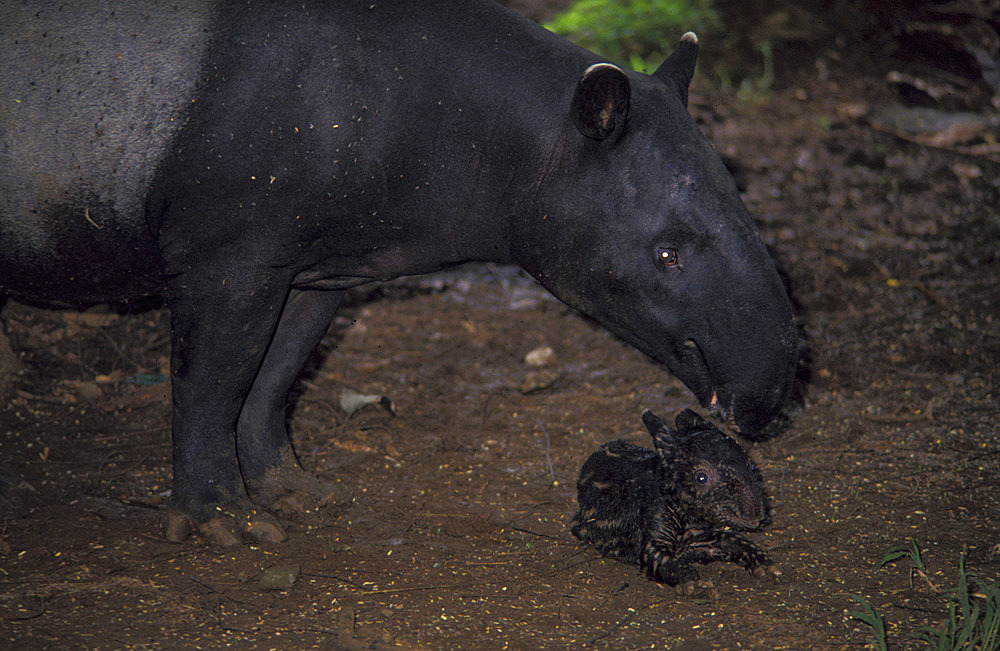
(695, 372)
(722, 404)
(698, 378)
(688, 363)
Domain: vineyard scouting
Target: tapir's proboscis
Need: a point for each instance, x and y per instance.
(251, 161)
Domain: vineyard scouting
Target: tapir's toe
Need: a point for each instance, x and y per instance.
(179, 526)
(226, 530)
(220, 531)
(262, 526)
(701, 587)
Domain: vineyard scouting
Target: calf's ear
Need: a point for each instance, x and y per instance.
(600, 102)
(690, 420)
(678, 69)
(664, 438)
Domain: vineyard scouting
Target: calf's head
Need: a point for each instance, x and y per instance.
(640, 226)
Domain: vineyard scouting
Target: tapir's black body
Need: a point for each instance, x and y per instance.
(251, 160)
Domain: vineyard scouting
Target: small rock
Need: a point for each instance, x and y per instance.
(540, 356)
(280, 577)
(84, 390)
(537, 380)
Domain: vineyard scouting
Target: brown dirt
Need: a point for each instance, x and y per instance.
(450, 529)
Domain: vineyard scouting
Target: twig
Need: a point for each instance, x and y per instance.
(419, 587)
(890, 419)
(548, 458)
(533, 533)
(23, 618)
(622, 622)
(334, 577)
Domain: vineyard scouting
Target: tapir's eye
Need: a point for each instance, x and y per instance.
(668, 257)
(701, 478)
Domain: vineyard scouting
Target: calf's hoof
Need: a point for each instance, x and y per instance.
(703, 587)
(764, 571)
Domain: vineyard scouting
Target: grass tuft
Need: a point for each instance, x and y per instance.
(972, 622)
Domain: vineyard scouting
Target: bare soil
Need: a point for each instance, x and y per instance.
(450, 527)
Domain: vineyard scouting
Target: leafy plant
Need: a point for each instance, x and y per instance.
(636, 33)
(912, 552)
(873, 619)
(972, 622)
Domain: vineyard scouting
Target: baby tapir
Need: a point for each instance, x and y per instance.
(668, 508)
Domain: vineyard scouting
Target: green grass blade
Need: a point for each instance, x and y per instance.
(873, 620)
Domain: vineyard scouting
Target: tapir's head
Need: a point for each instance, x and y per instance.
(640, 226)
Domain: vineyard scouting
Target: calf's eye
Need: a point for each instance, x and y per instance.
(701, 478)
(667, 257)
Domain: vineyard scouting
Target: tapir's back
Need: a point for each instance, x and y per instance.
(615, 485)
(99, 97)
(92, 94)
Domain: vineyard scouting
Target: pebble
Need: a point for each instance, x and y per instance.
(540, 356)
(280, 577)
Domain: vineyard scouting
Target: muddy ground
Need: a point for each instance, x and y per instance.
(450, 527)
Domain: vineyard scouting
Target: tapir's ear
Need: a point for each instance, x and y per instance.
(663, 437)
(679, 66)
(690, 420)
(601, 100)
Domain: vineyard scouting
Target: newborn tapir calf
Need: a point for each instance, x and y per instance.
(668, 508)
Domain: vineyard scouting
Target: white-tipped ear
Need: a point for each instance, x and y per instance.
(601, 101)
(678, 68)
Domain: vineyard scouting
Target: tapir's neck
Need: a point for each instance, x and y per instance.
(485, 129)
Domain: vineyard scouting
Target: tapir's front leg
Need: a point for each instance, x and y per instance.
(267, 461)
(665, 541)
(222, 320)
(660, 562)
(734, 548)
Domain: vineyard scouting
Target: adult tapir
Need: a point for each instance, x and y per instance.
(252, 160)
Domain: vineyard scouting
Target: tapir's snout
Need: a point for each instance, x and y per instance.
(743, 369)
(738, 357)
(750, 375)
(749, 409)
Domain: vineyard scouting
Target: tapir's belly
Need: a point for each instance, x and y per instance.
(77, 258)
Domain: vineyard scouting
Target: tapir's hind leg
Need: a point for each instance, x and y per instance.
(272, 473)
(221, 324)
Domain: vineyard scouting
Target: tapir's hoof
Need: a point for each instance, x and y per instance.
(224, 531)
(289, 489)
(292, 503)
(262, 527)
(219, 531)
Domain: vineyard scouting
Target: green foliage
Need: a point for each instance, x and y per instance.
(973, 620)
(911, 551)
(636, 33)
(868, 615)
(908, 550)
(973, 617)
